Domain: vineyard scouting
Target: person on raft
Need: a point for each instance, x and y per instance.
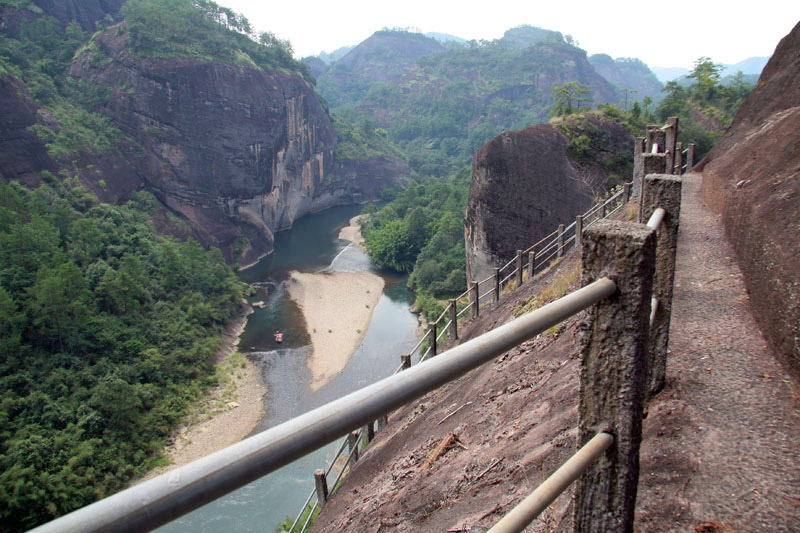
(278, 337)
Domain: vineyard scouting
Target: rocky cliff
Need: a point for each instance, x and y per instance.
(525, 183)
(239, 151)
(752, 178)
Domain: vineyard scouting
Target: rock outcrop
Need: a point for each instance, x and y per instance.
(238, 151)
(524, 184)
(752, 178)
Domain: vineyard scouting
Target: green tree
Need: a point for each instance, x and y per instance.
(569, 97)
(707, 74)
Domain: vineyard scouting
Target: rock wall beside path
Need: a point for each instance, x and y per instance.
(752, 178)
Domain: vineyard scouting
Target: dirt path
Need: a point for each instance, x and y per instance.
(722, 441)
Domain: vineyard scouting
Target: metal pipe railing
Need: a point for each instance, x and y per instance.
(537, 501)
(166, 497)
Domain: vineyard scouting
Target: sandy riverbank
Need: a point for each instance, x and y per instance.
(229, 413)
(352, 232)
(337, 307)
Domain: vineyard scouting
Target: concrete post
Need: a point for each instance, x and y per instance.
(381, 423)
(519, 268)
(405, 360)
(560, 240)
(432, 337)
(678, 159)
(476, 302)
(638, 150)
(662, 191)
(671, 138)
(453, 320)
(369, 431)
(613, 351)
(322, 487)
(655, 135)
(690, 158)
(531, 264)
(496, 284)
(352, 444)
(579, 232)
(651, 164)
(626, 193)
(603, 209)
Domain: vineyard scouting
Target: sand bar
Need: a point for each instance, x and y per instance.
(352, 232)
(228, 414)
(337, 307)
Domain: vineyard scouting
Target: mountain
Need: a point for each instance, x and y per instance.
(628, 73)
(227, 132)
(440, 104)
(445, 37)
(749, 66)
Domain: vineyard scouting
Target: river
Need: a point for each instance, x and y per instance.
(310, 246)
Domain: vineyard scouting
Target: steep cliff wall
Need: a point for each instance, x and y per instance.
(237, 150)
(752, 178)
(524, 185)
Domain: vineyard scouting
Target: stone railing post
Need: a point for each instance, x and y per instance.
(613, 351)
(496, 284)
(671, 138)
(579, 232)
(626, 193)
(352, 445)
(638, 150)
(476, 299)
(369, 432)
(662, 191)
(519, 268)
(381, 423)
(531, 264)
(322, 486)
(678, 159)
(432, 337)
(603, 209)
(453, 320)
(690, 157)
(560, 240)
(651, 164)
(405, 361)
(657, 136)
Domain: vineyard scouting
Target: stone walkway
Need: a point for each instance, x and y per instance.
(721, 449)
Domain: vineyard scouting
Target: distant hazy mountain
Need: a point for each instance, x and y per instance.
(751, 65)
(628, 73)
(445, 37)
(336, 55)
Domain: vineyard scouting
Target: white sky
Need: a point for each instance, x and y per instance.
(718, 29)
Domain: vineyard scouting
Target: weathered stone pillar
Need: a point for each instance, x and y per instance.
(352, 444)
(613, 351)
(476, 299)
(651, 164)
(453, 311)
(671, 138)
(432, 337)
(531, 264)
(678, 159)
(322, 487)
(638, 150)
(690, 157)
(519, 268)
(663, 191)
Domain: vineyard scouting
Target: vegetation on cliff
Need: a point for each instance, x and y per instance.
(108, 331)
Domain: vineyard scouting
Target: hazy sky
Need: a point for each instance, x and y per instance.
(665, 37)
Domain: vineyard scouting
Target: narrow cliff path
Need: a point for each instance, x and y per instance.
(722, 441)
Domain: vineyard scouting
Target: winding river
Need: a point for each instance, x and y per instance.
(310, 246)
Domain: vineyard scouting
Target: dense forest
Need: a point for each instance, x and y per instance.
(108, 332)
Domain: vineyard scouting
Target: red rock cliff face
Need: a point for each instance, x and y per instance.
(752, 178)
(524, 185)
(237, 150)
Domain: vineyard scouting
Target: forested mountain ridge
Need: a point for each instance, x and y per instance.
(452, 97)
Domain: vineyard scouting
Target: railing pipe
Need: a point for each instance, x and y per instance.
(656, 218)
(166, 497)
(537, 501)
